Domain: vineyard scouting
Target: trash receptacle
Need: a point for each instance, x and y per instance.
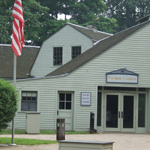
(92, 130)
(60, 129)
(33, 123)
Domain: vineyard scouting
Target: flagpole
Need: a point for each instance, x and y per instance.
(14, 82)
(17, 43)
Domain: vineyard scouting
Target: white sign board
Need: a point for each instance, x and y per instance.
(121, 78)
(85, 98)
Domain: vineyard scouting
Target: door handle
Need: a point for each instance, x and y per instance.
(122, 114)
(119, 114)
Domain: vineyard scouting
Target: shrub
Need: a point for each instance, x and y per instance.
(8, 103)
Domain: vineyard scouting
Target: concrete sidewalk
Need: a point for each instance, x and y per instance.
(123, 141)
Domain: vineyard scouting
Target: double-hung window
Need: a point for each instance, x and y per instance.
(57, 56)
(29, 101)
(76, 51)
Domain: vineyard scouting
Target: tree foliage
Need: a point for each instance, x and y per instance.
(81, 12)
(5, 20)
(41, 17)
(126, 12)
(32, 13)
(8, 103)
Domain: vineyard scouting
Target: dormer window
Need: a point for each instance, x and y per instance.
(57, 56)
(76, 51)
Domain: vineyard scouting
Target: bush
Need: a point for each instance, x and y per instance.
(8, 103)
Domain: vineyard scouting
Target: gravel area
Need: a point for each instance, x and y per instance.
(123, 141)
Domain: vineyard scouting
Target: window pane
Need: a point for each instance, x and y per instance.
(62, 97)
(34, 94)
(128, 107)
(68, 105)
(68, 97)
(112, 111)
(24, 106)
(142, 89)
(61, 105)
(141, 111)
(76, 51)
(29, 98)
(120, 88)
(29, 94)
(24, 97)
(24, 94)
(32, 106)
(34, 98)
(99, 109)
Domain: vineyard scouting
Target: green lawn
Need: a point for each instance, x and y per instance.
(43, 132)
(19, 141)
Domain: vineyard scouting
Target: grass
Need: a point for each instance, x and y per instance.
(19, 141)
(43, 132)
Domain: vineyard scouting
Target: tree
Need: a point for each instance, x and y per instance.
(85, 11)
(126, 12)
(32, 13)
(40, 17)
(49, 26)
(5, 20)
(108, 25)
(59, 6)
(8, 103)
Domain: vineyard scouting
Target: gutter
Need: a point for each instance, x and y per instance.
(48, 77)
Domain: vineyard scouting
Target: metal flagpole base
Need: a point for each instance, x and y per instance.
(12, 144)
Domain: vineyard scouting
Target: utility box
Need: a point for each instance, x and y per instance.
(60, 129)
(33, 123)
(85, 145)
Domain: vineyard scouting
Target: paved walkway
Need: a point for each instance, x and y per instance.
(122, 141)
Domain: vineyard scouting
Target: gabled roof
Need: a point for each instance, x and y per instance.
(95, 50)
(92, 33)
(24, 62)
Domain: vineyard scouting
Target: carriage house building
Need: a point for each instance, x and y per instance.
(111, 79)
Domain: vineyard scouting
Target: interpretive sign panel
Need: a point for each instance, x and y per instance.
(85, 98)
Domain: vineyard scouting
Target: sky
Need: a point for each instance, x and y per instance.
(62, 16)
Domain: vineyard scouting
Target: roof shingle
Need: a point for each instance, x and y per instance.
(95, 50)
(93, 34)
(24, 62)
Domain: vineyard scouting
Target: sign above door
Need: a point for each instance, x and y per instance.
(122, 76)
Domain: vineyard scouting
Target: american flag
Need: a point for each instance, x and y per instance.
(18, 26)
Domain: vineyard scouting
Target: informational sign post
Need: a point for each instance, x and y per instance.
(85, 98)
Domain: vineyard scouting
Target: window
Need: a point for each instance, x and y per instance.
(141, 110)
(65, 100)
(57, 56)
(99, 105)
(29, 101)
(76, 50)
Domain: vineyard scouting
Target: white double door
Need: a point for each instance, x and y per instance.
(119, 112)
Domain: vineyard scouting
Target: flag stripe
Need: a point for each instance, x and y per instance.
(18, 6)
(18, 12)
(18, 25)
(16, 32)
(19, 3)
